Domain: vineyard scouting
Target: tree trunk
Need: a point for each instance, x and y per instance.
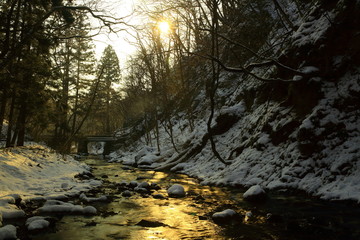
(3, 109)
(283, 15)
(21, 122)
(213, 82)
(107, 120)
(11, 120)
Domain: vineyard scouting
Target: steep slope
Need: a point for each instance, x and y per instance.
(302, 134)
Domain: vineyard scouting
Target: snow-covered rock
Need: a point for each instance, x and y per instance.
(59, 207)
(176, 191)
(8, 209)
(8, 232)
(224, 216)
(255, 193)
(83, 197)
(37, 223)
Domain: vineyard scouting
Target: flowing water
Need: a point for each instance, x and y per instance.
(143, 217)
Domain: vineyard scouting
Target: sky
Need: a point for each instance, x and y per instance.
(119, 41)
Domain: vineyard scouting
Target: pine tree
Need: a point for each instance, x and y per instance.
(74, 60)
(109, 65)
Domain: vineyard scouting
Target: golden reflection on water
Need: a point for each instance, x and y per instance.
(180, 217)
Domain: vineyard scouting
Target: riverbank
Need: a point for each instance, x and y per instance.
(120, 208)
(299, 128)
(36, 172)
(268, 144)
(132, 212)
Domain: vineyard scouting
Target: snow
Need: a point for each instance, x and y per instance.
(36, 223)
(84, 198)
(8, 232)
(8, 209)
(237, 109)
(56, 206)
(332, 172)
(271, 144)
(309, 69)
(224, 214)
(253, 192)
(176, 190)
(311, 30)
(36, 172)
(96, 148)
(148, 159)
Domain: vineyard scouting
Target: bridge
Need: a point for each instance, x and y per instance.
(84, 141)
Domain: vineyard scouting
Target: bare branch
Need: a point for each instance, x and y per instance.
(268, 61)
(246, 71)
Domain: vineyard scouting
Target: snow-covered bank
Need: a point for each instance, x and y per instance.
(302, 133)
(273, 147)
(36, 172)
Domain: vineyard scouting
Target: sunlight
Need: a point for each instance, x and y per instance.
(164, 27)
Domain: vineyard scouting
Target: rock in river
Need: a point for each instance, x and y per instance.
(255, 194)
(150, 223)
(126, 193)
(176, 191)
(224, 216)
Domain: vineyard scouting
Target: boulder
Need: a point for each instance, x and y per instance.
(8, 232)
(144, 185)
(225, 216)
(133, 184)
(176, 191)
(255, 194)
(37, 223)
(126, 193)
(150, 223)
(158, 196)
(155, 186)
(141, 190)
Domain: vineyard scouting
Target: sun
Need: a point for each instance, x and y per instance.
(164, 27)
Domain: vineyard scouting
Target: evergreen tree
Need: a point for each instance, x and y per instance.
(74, 60)
(109, 66)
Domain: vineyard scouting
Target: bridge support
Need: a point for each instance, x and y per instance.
(83, 146)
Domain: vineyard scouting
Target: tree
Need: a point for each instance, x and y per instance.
(27, 32)
(74, 62)
(109, 63)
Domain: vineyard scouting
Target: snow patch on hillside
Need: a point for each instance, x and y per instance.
(260, 156)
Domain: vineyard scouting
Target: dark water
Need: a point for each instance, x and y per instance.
(293, 216)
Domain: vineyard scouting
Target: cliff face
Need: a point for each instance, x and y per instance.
(302, 134)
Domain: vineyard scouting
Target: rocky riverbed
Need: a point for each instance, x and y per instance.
(135, 204)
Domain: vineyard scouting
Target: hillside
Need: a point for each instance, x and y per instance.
(300, 129)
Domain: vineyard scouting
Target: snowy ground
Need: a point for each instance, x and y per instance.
(35, 172)
(332, 171)
(271, 144)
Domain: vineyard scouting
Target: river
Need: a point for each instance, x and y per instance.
(285, 215)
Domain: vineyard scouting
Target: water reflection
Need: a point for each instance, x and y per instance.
(189, 217)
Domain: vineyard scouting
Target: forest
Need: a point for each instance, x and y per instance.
(218, 96)
(67, 92)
